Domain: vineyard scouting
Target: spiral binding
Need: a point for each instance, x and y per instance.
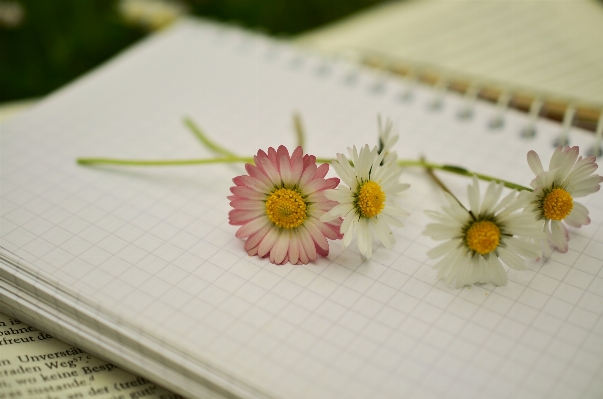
(569, 115)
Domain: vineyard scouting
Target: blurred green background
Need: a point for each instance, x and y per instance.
(47, 43)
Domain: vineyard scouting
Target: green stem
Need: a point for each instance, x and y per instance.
(237, 159)
(462, 171)
(299, 130)
(429, 170)
(196, 130)
(161, 162)
(171, 162)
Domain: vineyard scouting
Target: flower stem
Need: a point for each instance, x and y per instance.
(196, 130)
(299, 129)
(428, 167)
(161, 162)
(235, 159)
(461, 171)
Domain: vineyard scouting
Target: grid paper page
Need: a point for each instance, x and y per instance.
(544, 47)
(152, 249)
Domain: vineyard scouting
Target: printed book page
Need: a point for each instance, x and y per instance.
(33, 364)
(148, 252)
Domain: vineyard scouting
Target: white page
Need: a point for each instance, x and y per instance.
(152, 247)
(543, 47)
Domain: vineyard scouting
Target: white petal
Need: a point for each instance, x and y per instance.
(348, 234)
(522, 247)
(348, 220)
(365, 240)
(492, 195)
(342, 195)
(586, 186)
(444, 248)
(534, 162)
(578, 217)
(497, 272)
(511, 259)
(382, 232)
(473, 194)
(557, 236)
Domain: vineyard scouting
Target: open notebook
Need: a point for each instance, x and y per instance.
(522, 52)
(140, 265)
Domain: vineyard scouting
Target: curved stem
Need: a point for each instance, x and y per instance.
(462, 171)
(429, 170)
(206, 141)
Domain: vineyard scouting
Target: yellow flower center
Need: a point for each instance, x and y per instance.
(557, 204)
(371, 199)
(483, 237)
(286, 208)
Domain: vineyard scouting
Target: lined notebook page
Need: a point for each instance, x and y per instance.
(545, 47)
(152, 248)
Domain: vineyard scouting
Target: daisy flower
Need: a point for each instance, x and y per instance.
(569, 176)
(479, 241)
(278, 206)
(366, 204)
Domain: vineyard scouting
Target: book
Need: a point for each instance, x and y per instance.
(522, 53)
(33, 364)
(140, 267)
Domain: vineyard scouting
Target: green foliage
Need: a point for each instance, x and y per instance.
(58, 40)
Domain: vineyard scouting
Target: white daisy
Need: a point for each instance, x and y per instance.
(366, 204)
(569, 176)
(387, 140)
(479, 241)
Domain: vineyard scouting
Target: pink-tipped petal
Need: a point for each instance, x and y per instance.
(297, 167)
(272, 156)
(304, 259)
(252, 227)
(285, 169)
(268, 242)
(271, 171)
(255, 239)
(322, 252)
(279, 250)
(307, 175)
(247, 204)
(322, 171)
(246, 192)
(332, 182)
(307, 243)
(240, 216)
(316, 235)
(297, 154)
(294, 248)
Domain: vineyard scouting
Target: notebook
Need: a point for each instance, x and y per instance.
(523, 51)
(140, 266)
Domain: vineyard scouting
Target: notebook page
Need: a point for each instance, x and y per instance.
(544, 47)
(153, 249)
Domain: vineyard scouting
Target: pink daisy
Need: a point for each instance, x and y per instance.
(569, 176)
(279, 204)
